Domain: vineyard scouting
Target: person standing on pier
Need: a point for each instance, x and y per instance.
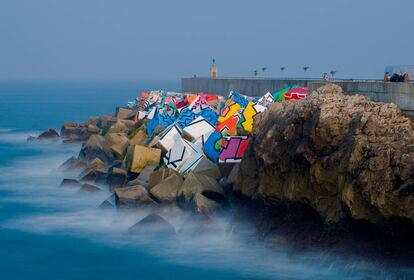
(387, 77)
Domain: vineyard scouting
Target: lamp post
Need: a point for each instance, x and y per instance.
(333, 73)
(305, 69)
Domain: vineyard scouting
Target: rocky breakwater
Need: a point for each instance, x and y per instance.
(328, 167)
(120, 158)
(348, 159)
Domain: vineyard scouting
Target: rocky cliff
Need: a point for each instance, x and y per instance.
(344, 156)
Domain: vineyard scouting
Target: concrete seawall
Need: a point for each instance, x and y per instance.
(401, 94)
(250, 86)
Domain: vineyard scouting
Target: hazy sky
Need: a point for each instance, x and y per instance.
(166, 40)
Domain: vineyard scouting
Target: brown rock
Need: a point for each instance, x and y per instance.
(122, 113)
(124, 126)
(116, 178)
(234, 174)
(132, 197)
(106, 205)
(118, 127)
(143, 176)
(120, 149)
(93, 170)
(166, 190)
(158, 176)
(72, 132)
(105, 121)
(73, 164)
(115, 137)
(89, 188)
(96, 147)
(205, 205)
(342, 155)
(118, 142)
(153, 224)
(213, 172)
(70, 183)
(93, 129)
(139, 138)
(48, 134)
(138, 157)
(198, 184)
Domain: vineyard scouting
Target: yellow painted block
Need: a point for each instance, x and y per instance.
(229, 111)
(142, 156)
(251, 110)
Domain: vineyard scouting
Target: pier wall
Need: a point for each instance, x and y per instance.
(401, 94)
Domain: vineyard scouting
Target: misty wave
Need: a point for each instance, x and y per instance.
(229, 253)
(35, 181)
(11, 136)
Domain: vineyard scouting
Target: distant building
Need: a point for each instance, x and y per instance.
(213, 69)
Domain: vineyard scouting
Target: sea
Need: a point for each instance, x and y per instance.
(51, 232)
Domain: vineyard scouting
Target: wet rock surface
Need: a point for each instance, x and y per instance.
(96, 147)
(166, 191)
(89, 188)
(132, 197)
(73, 164)
(49, 134)
(153, 223)
(342, 155)
(73, 183)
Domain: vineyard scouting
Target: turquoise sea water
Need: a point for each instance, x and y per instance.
(47, 232)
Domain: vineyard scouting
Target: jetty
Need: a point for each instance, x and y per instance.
(401, 94)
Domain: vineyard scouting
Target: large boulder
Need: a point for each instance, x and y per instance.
(166, 190)
(195, 184)
(116, 178)
(73, 132)
(132, 197)
(49, 134)
(73, 164)
(153, 224)
(93, 129)
(205, 205)
(143, 176)
(73, 183)
(96, 147)
(138, 157)
(344, 156)
(104, 122)
(68, 129)
(213, 172)
(108, 203)
(123, 113)
(118, 143)
(158, 176)
(139, 138)
(115, 137)
(93, 171)
(123, 126)
(89, 188)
